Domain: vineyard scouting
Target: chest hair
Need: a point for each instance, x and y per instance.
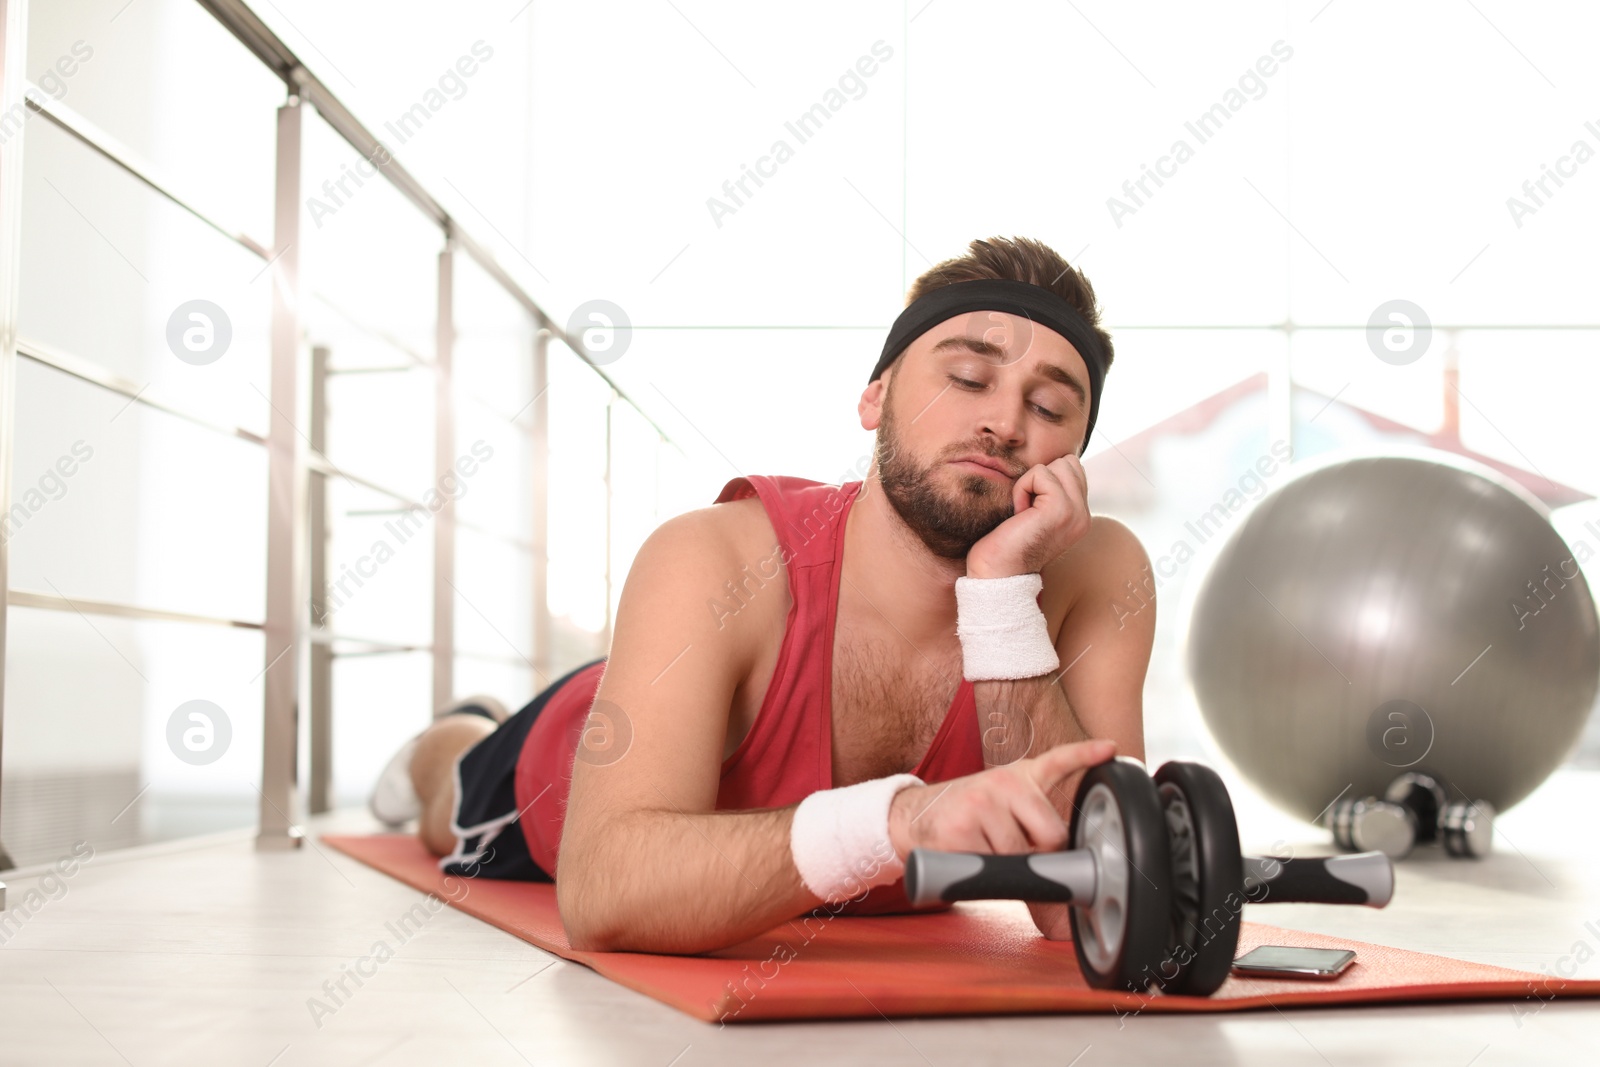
(887, 707)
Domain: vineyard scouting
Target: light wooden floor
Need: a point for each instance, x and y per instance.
(206, 952)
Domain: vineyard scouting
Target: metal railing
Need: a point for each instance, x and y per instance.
(297, 469)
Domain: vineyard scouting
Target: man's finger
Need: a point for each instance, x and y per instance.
(1039, 480)
(1081, 474)
(1004, 835)
(1050, 767)
(1071, 463)
(1037, 816)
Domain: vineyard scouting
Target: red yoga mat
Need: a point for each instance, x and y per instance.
(978, 958)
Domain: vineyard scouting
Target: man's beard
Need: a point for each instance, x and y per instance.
(948, 525)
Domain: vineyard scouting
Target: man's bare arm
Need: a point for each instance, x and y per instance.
(682, 882)
(1104, 645)
(646, 863)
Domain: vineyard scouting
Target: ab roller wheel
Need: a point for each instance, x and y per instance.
(1207, 878)
(1154, 877)
(1119, 826)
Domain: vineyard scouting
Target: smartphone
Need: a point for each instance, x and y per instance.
(1288, 962)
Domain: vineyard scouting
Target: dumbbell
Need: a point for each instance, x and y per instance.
(1414, 810)
(1154, 876)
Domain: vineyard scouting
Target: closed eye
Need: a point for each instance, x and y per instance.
(1046, 412)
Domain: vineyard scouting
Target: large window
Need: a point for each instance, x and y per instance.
(284, 449)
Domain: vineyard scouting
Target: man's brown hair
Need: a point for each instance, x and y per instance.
(1018, 259)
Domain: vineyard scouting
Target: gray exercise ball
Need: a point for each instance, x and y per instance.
(1381, 614)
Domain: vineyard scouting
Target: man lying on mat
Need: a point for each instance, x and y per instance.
(807, 681)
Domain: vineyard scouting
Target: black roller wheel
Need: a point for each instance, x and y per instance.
(1122, 936)
(1207, 878)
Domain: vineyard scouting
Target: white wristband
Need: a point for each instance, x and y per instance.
(840, 838)
(1003, 633)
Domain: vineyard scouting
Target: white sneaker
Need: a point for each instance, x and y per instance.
(394, 801)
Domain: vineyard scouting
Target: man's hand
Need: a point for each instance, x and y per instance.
(1051, 514)
(1001, 811)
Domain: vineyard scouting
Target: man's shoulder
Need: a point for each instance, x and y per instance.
(1105, 557)
(741, 513)
(739, 526)
(731, 529)
(1107, 535)
(683, 576)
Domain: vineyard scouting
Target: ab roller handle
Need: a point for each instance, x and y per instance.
(1364, 878)
(1067, 877)
(1072, 877)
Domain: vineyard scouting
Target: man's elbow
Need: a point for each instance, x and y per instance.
(587, 928)
(599, 917)
(583, 938)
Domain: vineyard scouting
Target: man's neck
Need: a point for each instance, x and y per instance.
(905, 585)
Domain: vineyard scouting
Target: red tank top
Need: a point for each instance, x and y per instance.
(788, 753)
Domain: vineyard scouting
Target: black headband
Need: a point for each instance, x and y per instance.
(1034, 302)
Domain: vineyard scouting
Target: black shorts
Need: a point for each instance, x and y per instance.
(489, 843)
